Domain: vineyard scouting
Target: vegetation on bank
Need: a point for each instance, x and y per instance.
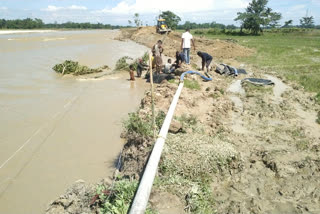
(118, 199)
(123, 65)
(190, 178)
(238, 32)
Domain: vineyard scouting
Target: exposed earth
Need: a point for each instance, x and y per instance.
(257, 147)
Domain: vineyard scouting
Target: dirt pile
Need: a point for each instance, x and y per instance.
(219, 49)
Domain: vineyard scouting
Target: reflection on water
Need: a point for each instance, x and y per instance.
(55, 130)
(132, 85)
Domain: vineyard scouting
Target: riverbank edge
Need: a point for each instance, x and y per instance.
(138, 147)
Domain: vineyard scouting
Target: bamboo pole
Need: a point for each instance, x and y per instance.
(152, 97)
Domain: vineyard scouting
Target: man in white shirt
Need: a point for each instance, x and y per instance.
(186, 45)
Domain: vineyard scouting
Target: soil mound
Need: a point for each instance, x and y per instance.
(221, 49)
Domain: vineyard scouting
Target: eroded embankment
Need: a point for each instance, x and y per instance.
(219, 49)
(232, 148)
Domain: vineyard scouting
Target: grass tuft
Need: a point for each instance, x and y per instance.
(118, 200)
(192, 84)
(188, 121)
(160, 119)
(136, 125)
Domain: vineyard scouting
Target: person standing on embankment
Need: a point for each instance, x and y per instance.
(157, 50)
(187, 38)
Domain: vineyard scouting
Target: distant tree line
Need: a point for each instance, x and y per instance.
(256, 18)
(38, 24)
(215, 25)
(193, 25)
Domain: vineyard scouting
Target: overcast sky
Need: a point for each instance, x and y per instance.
(118, 12)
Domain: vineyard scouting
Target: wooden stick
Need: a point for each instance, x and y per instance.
(152, 97)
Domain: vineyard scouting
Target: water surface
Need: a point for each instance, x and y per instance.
(55, 130)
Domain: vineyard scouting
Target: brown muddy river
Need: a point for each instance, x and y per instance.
(53, 130)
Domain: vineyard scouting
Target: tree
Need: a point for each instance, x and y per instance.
(136, 19)
(258, 15)
(307, 22)
(172, 19)
(274, 18)
(3, 23)
(287, 24)
(130, 22)
(231, 27)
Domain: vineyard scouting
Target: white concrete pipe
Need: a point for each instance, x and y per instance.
(141, 198)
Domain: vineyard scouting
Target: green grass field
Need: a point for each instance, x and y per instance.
(295, 55)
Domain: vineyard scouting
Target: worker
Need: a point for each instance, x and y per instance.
(206, 59)
(140, 67)
(179, 59)
(153, 61)
(168, 67)
(131, 73)
(186, 45)
(158, 50)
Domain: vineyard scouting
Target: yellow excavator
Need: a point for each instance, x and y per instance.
(162, 27)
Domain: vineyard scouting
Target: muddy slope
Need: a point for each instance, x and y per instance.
(272, 132)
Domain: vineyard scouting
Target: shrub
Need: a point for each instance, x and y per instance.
(160, 119)
(72, 67)
(190, 120)
(122, 64)
(120, 197)
(118, 201)
(134, 124)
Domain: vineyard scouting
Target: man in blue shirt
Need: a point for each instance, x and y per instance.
(206, 59)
